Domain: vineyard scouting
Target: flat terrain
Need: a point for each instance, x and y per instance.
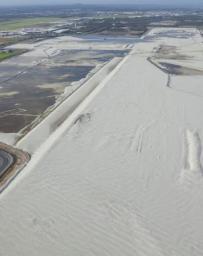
(12, 25)
(9, 54)
(123, 175)
(49, 21)
(5, 55)
(34, 82)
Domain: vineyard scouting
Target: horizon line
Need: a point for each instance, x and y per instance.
(182, 5)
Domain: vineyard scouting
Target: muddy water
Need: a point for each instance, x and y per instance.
(26, 92)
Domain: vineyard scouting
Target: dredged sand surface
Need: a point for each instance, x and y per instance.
(122, 175)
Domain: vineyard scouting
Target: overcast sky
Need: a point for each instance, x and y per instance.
(46, 2)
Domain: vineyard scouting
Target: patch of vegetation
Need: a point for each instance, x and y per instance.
(11, 53)
(12, 25)
(5, 41)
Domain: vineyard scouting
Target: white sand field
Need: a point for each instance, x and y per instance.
(123, 175)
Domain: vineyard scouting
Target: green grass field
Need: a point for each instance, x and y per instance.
(7, 55)
(13, 25)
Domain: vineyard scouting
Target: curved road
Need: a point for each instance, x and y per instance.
(6, 160)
